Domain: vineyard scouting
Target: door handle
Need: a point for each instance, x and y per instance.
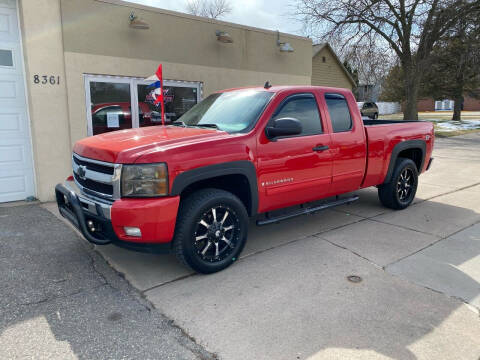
(320, 148)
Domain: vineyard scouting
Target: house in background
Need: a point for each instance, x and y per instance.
(328, 70)
(371, 92)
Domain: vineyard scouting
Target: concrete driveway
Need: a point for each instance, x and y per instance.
(288, 297)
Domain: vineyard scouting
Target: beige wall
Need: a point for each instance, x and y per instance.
(98, 40)
(212, 78)
(70, 38)
(43, 50)
(102, 28)
(328, 73)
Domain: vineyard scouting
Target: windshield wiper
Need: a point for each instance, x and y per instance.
(208, 125)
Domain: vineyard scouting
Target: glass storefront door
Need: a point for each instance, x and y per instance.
(109, 105)
(115, 103)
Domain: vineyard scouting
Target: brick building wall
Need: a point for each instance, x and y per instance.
(470, 104)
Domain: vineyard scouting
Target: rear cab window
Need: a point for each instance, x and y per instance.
(339, 112)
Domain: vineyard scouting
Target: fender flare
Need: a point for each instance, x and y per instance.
(401, 146)
(241, 167)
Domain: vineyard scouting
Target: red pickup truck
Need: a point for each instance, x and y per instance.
(190, 187)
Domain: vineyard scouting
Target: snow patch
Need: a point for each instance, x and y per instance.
(458, 125)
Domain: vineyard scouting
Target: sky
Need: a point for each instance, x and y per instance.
(265, 14)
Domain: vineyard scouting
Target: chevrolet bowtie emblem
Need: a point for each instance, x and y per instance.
(82, 171)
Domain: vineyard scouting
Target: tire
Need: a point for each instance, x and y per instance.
(375, 116)
(207, 239)
(400, 191)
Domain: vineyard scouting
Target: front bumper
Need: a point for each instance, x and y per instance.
(80, 210)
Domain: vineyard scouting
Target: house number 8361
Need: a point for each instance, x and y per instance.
(46, 79)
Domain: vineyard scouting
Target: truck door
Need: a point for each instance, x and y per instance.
(295, 169)
(348, 146)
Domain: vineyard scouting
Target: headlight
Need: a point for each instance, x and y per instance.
(147, 180)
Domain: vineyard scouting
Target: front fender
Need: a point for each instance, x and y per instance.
(241, 167)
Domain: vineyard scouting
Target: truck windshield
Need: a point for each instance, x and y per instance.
(232, 111)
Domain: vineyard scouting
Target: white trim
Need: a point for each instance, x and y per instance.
(88, 106)
(27, 100)
(134, 108)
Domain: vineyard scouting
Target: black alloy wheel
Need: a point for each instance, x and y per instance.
(405, 184)
(400, 191)
(211, 230)
(217, 234)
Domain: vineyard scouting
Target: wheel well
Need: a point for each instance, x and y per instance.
(414, 154)
(237, 184)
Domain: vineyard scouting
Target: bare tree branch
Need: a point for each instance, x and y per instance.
(213, 9)
(411, 28)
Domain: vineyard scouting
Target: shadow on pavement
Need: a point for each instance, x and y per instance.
(60, 299)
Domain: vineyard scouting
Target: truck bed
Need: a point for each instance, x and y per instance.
(382, 136)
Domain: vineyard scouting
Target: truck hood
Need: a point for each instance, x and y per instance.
(125, 146)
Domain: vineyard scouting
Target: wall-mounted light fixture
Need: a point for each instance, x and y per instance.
(284, 46)
(136, 23)
(223, 37)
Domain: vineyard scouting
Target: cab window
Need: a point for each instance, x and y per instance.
(339, 113)
(303, 108)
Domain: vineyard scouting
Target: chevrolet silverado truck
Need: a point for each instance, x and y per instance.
(191, 187)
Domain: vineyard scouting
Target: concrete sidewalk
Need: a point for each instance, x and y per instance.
(289, 296)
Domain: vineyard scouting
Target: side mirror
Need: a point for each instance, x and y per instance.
(283, 127)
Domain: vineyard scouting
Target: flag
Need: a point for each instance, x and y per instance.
(158, 90)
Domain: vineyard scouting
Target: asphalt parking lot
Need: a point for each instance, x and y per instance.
(288, 296)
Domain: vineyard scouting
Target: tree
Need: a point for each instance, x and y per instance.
(392, 88)
(411, 28)
(371, 62)
(208, 8)
(455, 68)
(353, 72)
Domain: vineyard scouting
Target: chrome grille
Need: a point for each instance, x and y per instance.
(97, 178)
(102, 168)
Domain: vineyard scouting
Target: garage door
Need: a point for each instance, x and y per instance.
(16, 170)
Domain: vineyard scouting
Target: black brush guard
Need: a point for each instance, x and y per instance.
(71, 209)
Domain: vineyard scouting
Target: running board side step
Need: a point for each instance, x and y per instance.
(338, 202)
